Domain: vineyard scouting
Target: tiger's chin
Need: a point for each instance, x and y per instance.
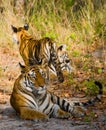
(42, 92)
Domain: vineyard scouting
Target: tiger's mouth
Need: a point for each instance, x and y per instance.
(40, 90)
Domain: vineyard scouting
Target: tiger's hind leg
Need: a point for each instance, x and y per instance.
(63, 114)
(32, 114)
(59, 113)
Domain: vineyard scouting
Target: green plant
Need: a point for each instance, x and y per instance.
(100, 70)
(71, 78)
(51, 35)
(76, 53)
(88, 118)
(91, 87)
(88, 55)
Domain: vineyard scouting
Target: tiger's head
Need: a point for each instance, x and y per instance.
(18, 32)
(64, 59)
(33, 79)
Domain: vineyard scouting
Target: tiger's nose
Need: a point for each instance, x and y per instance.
(67, 61)
(41, 86)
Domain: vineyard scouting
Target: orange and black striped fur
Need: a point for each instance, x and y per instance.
(43, 51)
(31, 100)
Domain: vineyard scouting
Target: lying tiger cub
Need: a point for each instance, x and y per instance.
(31, 100)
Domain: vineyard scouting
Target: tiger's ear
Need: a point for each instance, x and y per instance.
(22, 67)
(62, 47)
(14, 29)
(26, 26)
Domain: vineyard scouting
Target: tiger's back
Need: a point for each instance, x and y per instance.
(33, 50)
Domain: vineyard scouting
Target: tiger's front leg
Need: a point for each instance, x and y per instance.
(56, 64)
(46, 66)
(32, 114)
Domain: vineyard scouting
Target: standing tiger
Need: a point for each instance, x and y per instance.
(43, 51)
(31, 100)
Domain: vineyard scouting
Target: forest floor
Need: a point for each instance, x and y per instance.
(9, 71)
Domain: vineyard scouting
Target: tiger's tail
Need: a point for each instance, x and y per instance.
(74, 106)
(93, 100)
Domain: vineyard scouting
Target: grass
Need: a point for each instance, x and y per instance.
(56, 20)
